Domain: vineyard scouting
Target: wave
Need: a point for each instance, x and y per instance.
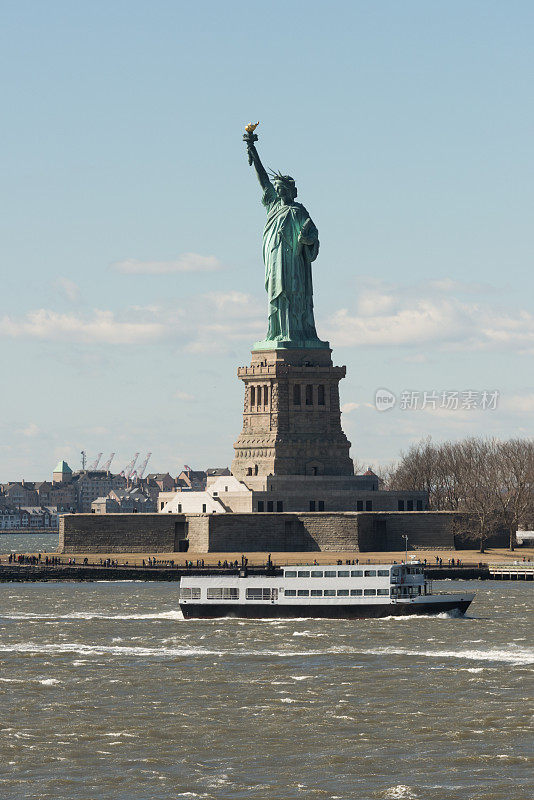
(514, 656)
(452, 615)
(88, 615)
(42, 681)
(128, 650)
(400, 791)
(517, 657)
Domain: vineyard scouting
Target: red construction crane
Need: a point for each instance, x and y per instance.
(107, 465)
(96, 462)
(128, 469)
(139, 472)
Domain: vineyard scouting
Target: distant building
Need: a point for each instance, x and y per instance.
(64, 497)
(298, 493)
(216, 472)
(194, 480)
(162, 480)
(225, 493)
(368, 482)
(90, 484)
(190, 503)
(44, 491)
(124, 501)
(29, 518)
(20, 494)
(62, 473)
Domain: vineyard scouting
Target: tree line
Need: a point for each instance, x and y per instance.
(491, 481)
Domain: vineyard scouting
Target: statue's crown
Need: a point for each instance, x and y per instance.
(277, 176)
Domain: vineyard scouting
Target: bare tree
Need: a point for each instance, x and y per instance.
(515, 480)
(492, 481)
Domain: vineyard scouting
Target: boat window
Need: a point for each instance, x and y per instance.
(342, 592)
(383, 573)
(329, 592)
(316, 573)
(195, 593)
(185, 594)
(382, 591)
(290, 574)
(303, 573)
(223, 593)
(356, 573)
(356, 592)
(370, 573)
(316, 592)
(258, 594)
(343, 573)
(330, 573)
(303, 593)
(370, 592)
(290, 592)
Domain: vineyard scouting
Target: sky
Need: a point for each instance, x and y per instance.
(131, 223)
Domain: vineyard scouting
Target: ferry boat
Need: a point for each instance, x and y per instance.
(332, 591)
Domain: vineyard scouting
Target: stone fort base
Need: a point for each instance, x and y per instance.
(353, 532)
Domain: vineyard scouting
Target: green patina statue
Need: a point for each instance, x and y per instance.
(290, 244)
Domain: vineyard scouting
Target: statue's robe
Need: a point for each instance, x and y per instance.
(288, 276)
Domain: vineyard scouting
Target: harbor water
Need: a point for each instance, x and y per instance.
(106, 692)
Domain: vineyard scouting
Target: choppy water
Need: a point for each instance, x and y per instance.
(28, 542)
(105, 692)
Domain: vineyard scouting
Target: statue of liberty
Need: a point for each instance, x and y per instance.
(290, 244)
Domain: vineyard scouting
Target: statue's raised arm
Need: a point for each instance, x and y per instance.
(253, 158)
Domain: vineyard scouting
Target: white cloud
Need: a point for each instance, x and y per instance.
(102, 327)
(188, 398)
(68, 288)
(235, 302)
(219, 320)
(210, 322)
(524, 403)
(187, 262)
(30, 430)
(431, 314)
(347, 408)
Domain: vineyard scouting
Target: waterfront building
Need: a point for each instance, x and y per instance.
(29, 518)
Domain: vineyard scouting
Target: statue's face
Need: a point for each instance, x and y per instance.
(284, 192)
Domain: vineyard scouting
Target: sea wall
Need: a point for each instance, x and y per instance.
(260, 532)
(121, 533)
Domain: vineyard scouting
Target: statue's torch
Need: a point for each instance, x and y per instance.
(250, 137)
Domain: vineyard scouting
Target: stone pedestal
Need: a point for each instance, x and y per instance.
(291, 417)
